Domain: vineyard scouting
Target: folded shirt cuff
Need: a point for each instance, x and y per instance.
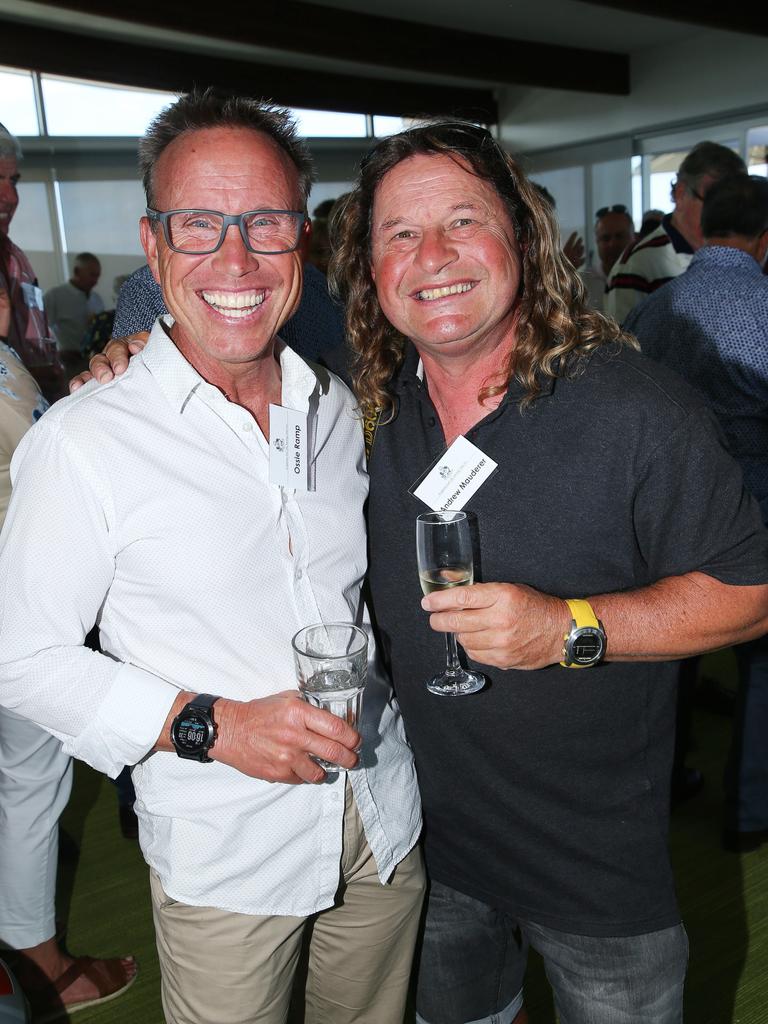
(128, 721)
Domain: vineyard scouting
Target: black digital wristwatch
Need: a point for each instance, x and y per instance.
(193, 731)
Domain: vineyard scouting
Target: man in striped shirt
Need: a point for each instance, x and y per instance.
(667, 251)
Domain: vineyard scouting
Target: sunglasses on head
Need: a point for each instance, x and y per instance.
(617, 208)
(458, 135)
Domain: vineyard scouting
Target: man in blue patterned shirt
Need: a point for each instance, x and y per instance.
(711, 326)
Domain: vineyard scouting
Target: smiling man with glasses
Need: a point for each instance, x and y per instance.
(667, 251)
(202, 509)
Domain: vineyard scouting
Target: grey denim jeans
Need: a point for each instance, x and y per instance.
(473, 961)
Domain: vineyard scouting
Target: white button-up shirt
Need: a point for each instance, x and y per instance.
(145, 505)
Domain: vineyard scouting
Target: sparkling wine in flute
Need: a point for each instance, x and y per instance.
(444, 558)
(444, 579)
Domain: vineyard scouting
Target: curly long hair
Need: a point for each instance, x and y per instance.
(554, 327)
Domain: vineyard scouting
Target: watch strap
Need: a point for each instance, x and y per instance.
(582, 612)
(203, 701)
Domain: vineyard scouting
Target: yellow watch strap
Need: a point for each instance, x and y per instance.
(583, 615)
(582, 612)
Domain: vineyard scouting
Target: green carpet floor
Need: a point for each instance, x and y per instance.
(104, 899)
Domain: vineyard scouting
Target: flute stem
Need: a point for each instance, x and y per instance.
(452, 655)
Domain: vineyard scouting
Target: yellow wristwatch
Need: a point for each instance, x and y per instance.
(585, 644)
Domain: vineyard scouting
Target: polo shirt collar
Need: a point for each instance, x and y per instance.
(411, 374)
(679, 244)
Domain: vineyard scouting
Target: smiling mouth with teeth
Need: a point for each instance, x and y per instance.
(234, 304)
(440, 293)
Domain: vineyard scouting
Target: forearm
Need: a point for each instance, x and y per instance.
(680, 616)
(513, 626)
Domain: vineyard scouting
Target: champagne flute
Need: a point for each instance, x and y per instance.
(444, 557)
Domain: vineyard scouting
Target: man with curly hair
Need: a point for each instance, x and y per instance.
(614, 533)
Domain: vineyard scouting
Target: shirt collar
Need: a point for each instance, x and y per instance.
(178, 379)
(728, 256)
(412, 373)
(679, 244)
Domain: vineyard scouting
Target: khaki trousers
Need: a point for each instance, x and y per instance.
(223, 968)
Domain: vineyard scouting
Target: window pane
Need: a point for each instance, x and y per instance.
(663, 173)
(18, 112)
(31, 224)
(318, 124)
(567, 187)
(637, 190)
(611, 184)
(102, 216)
(383, 126)
(81, 108)
(757, 150)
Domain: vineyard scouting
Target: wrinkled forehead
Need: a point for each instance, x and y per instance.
(428, 180)
(226, 161)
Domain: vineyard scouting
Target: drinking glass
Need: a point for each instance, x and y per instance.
(331, 665)
(444, 557)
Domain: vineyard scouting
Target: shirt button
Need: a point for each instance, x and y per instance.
(247, 426)
(431, 421)
(299, 574)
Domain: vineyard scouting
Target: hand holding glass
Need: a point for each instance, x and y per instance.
(444, 557)
(331, 664)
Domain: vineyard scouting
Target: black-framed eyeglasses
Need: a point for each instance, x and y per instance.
(616, 208)
(200, 232)
(458, 135)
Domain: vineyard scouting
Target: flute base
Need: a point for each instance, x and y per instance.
(456, 684)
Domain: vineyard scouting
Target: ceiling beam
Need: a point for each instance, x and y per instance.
(735, 17)
(123, 63)
(305, 28)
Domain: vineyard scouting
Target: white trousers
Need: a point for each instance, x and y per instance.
(35, 783)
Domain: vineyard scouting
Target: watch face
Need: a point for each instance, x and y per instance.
(192, 733)
(586, 647)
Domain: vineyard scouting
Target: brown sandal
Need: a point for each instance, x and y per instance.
(111, 977)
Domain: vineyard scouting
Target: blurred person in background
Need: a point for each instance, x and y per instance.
(71, 308)
(614, 232)
(666, 252)
(319, 248)
(27, 331)
(710, 324)
(651, 220)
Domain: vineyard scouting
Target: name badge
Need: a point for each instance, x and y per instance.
(454, 477)
(33, 296)
(288, 448)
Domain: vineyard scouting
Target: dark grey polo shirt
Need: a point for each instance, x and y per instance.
(547, 793)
